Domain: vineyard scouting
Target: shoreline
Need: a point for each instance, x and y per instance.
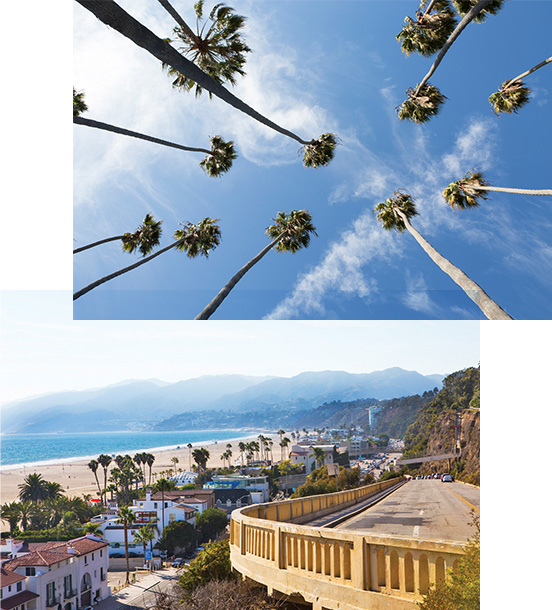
(77, 479)
(86, 458)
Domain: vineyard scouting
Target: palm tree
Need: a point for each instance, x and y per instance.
(218, 160)
(79, 105)
(126, 518)
(174, 460)
(285, 443)
(492, 8)
(289, 234)
(201, 457)
(163, 485)
(144, 536)
(395, 213)
(242, 447)
(218, 49)
(144, 239)
(194, 239)
(512, 94)
(319, 456)
(434, 24)
(465, 193)
(33, 488)
(415, 108)
(149, 460)
(189, 445)
(93, 465)
(10, 512)
(110, 13)
(104, 461)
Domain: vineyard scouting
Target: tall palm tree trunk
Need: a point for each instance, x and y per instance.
(174, 14)
(468, 17)
(215, 303)
(78, 120)
(501, 189)
(106, 278)
(473, 290)
(110, 13)
(524, 74)
(98, 243)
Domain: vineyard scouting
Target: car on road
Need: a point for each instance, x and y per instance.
(447, 478)
(178, 562)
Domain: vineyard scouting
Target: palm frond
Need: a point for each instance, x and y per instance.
(422, 107)
(79, 105)
(463, 6)
(510, 97)
(319, 152)
(429, 32)
(296, 228)
(198, 239)
(464, 193)
(386, 212)
(221, 158)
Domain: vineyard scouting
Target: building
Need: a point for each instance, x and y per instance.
(303, 455)
(57, 576)
(257, 487)
(159, 509)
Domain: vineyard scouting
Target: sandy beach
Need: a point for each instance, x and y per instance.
(77, 479)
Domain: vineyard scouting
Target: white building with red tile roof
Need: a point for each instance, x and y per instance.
(63, 575)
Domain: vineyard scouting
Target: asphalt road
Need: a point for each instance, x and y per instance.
(426, 508)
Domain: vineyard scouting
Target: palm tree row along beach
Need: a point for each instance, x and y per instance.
(77, 479)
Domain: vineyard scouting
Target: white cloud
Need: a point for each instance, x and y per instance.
(417, 297)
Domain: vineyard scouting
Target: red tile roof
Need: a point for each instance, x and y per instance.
(9, 578)
(16, 600)
(37, 558)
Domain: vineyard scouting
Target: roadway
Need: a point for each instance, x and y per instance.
(425, 508)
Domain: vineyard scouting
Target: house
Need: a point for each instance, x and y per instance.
(13, 592)
(10, 548)
(304, 455)
(157, 509)
(257, 487)
(59, 575)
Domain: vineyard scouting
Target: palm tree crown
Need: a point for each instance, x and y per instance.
(145, 238)
(464, 6)
(198, 239)
(387, 212)
(220, 158)
(465, 193)
(293, 230)
(421, 105)
(431, 29)
(320, 151)
(79, 105)
(216, 47)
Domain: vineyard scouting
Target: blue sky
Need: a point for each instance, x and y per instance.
(334, 67)
(43, 350)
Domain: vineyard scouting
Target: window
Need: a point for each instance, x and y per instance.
(50, 593)
(68, 585)
(30, 571)
(92, 556)
(19, 586)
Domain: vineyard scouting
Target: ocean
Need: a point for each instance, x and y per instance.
(37, 449)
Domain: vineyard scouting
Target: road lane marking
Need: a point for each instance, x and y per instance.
(463, 499)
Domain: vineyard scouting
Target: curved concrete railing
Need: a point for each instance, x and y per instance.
(335, 569)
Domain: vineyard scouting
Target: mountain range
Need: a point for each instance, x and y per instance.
(143, 404)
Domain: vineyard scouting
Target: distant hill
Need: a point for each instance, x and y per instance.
(198, 402)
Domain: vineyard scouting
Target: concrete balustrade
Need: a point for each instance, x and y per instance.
(332, 569)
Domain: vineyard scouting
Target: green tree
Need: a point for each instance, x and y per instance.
(144, 238)
(290, 233)
(210, 565)
(149, 460)
(178, 537)
(126, 518)
(395, 213)
(219, 157)
(79, 105)
(425, 100)
(216, 46)
(144, 536)
(193, 239)
(33, 488)
(466, 192)
(316, 152)
(201, 457)
(319, 456)
(104, 461)
(435, 22)
(162, 486)
(210, 523)
(461, 590)
(513, 94)
(93, 465)
(10, 514)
